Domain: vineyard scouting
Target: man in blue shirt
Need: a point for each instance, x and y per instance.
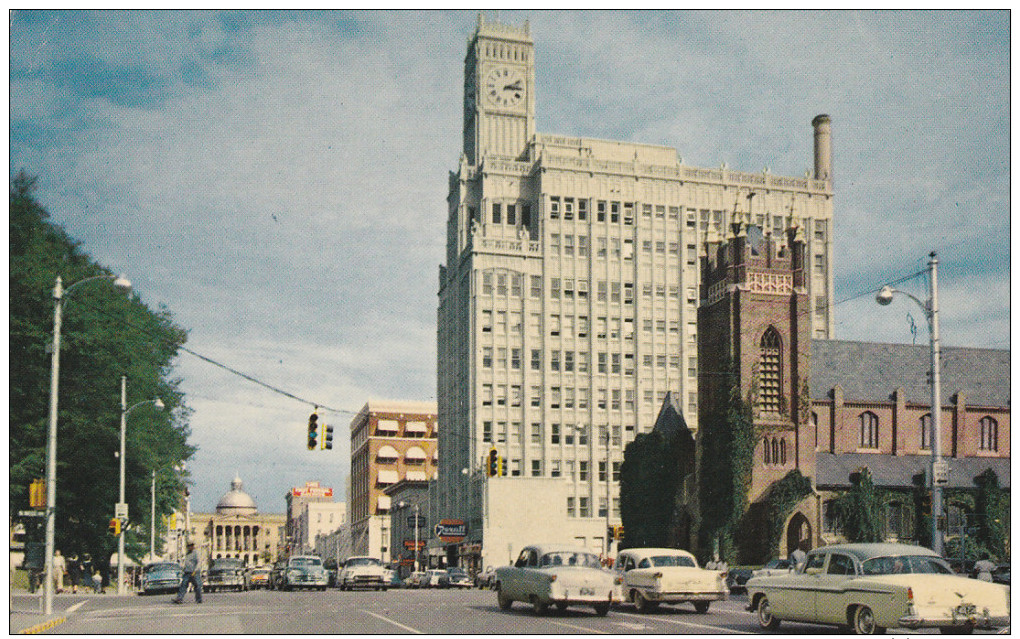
(192, 574)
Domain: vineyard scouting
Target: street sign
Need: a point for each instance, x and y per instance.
(120, 511)
(941, 471)
(31, 513)
(416, 519)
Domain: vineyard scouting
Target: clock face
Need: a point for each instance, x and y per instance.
(504, 87)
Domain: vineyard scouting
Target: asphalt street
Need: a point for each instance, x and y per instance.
(390, 612)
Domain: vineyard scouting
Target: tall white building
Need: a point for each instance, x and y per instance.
(568, 301)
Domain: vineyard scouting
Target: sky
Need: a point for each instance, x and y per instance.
(278, 180)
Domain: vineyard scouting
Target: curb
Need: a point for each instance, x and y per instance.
(43, 627)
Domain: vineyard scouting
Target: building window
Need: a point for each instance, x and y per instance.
(769, 371)
(830, 518)
(536, 467)
(869, 430)
(496, 213)
(554, 208)
(486, 431)
(486, 357)
(536, 359)
(570, 507)
(989, 434)
(582, 471)
(926, 432)
(583, 507)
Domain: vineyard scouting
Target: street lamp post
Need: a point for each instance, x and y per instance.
(121, 510)
(59, 294)
(939, 472)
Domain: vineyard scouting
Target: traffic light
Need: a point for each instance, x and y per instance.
(926, 503)
(327, 437)
(313, 430)
(618, 532)
(37, 494)
(493, 468)
(501, 468)
(114, 526)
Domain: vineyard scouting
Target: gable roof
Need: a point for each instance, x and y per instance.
(871, 372)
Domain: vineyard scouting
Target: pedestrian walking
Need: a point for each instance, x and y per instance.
(74, 571)
(59, 566)
(97, 583)
(192, 574)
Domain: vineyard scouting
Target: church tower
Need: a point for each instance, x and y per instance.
(756, 317)
(499, 98)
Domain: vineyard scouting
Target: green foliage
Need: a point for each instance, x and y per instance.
(728, 439)
(860, 509)
(105, 334)
(649, 478)
(762, 527)
(992, 514)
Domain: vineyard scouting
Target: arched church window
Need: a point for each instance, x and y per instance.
(766, 451)
(989, 434)
(770, 366)
(869, 429)
(925, 426)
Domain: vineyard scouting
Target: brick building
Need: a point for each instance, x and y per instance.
(828, 408)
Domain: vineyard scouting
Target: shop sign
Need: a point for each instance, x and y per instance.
(451, 531)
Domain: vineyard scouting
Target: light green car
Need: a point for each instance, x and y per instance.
(870, 587)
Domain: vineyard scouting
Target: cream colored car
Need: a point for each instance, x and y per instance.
(871, 587)
(558, 575)
(650, 576)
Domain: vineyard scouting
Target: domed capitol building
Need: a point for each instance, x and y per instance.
(237, 529)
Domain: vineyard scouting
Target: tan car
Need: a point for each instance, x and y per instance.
(558, 575)
(650, 576)
(870, 587)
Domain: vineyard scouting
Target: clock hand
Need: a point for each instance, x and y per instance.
(516, 86)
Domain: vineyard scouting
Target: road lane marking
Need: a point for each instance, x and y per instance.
(582, 628)
(76, 606)
(688, 623)
(388, 620)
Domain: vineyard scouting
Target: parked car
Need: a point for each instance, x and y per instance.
(1001, 574)
(736, 579)
(363, 572)
(414, 580)
(458, 578)
(775, 567)
(555, 574)
(304, 571)
(871, 587)
(487, 578)
(225, 573)
(650, 576)
(164, 576)
(257, 577)
(435, 578)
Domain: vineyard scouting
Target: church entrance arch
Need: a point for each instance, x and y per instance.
(798, 534)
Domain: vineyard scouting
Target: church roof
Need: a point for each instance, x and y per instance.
(888, 471)
(871, 372)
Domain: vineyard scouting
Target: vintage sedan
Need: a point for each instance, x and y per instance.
(164, 576)
(226, 573)
(362, 572)
(650, 576)
(304, 571)
(555, 574)
(871, 587)
(257, 577)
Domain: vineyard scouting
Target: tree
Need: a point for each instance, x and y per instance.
(649, 478)
(105, 335)
(860, 509)
(992, 509)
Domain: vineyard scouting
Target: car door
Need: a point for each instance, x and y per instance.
(792, 596)
(830, 591)
(516, 577)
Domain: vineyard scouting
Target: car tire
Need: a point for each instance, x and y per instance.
(641, 604)
(864, 622)
(504, 601)
(561, 605)
(538, 606)
(601, 609)
(765, 618)
(701, 607)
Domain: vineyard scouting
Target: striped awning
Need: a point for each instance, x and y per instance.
(415, 454)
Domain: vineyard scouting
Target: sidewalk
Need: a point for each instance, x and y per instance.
(26, 615)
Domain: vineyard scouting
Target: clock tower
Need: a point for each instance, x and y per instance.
(499, 102)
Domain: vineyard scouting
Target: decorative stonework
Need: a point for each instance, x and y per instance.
(772, 283)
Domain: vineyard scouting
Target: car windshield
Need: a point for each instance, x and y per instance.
(906, 564)
(567, 558)
(362, 561)
(161, 567)
(672, 561)
(305, 561)
(227, 563)
(456, 571)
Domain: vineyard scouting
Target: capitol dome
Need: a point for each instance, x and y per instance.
(236, 502)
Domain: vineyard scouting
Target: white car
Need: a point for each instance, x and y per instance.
(775, 567)
(555, 574)
(362, 572)
(435, 579)
(650, 576)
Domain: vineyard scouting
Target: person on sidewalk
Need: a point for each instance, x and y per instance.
(192, 574)
(74, 571)
(59, 566)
